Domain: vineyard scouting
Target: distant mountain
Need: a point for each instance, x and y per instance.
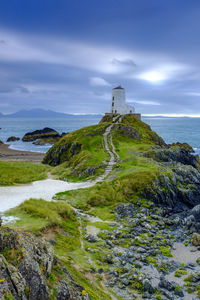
(36, 113)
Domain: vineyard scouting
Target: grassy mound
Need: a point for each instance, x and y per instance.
(81, 154)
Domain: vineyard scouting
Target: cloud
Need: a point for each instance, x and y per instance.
(144, 102)
(195, 94)
(98, 81)
(164, 72)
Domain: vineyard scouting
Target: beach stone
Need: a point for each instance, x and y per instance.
(196, 239)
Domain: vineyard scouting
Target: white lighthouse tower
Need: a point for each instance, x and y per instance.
(119, 105)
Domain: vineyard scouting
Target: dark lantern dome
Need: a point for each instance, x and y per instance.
(118, 88)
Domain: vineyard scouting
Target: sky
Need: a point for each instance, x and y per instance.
(66, 55)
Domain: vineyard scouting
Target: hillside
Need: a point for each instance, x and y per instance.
(135, 232)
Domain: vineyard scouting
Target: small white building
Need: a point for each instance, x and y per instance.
(119, 105)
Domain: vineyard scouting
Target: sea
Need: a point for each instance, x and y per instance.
(184, 130)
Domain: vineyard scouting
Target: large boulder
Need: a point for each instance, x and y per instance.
(40, 134)
(13, 139)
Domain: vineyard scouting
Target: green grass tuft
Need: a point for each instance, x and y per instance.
(12, 173)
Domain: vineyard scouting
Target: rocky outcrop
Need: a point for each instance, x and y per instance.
(127, 130)
(13, 139)
(40, 134)
(61, 153)
(177, 188)
(181, 154)
(45, 141)
(1, 142)
(27, 264)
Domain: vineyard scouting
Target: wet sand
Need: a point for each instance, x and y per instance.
(11, 196)
(7, 154)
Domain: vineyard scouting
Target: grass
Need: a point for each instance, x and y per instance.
(12, 173)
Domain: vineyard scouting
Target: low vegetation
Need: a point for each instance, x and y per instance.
(12, 173)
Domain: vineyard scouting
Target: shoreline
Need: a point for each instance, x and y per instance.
(12, 147)
(8, 154)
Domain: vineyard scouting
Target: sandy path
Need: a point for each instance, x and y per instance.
(11, 196)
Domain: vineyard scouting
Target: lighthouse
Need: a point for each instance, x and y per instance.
(119, 105)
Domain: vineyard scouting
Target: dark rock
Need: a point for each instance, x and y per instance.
(147, 286)
(1, 142)
(40, 134)
(91, 238)
(109, 259)
(13, 139)
(183, 146)
(165, 284)
(63, 291)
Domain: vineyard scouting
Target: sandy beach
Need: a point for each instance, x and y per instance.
(8, 154)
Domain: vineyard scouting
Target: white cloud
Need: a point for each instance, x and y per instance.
(144, 102)
(163, 72)
(195, 94)
(98, 81)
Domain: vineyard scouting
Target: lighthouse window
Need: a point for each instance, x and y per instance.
(115, 111)
(113, 97)
(112, 103)
(131, 111)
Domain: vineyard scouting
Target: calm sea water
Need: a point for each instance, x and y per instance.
(171, 129)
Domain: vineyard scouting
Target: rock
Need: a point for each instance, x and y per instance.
(165, 284)
(1, 142)
(91, 238)
(13, 139)
(109, 259)
(196, 212)
(147, 286)
(189, 221)
(196, 239)
(44, 141)
(40, 134)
